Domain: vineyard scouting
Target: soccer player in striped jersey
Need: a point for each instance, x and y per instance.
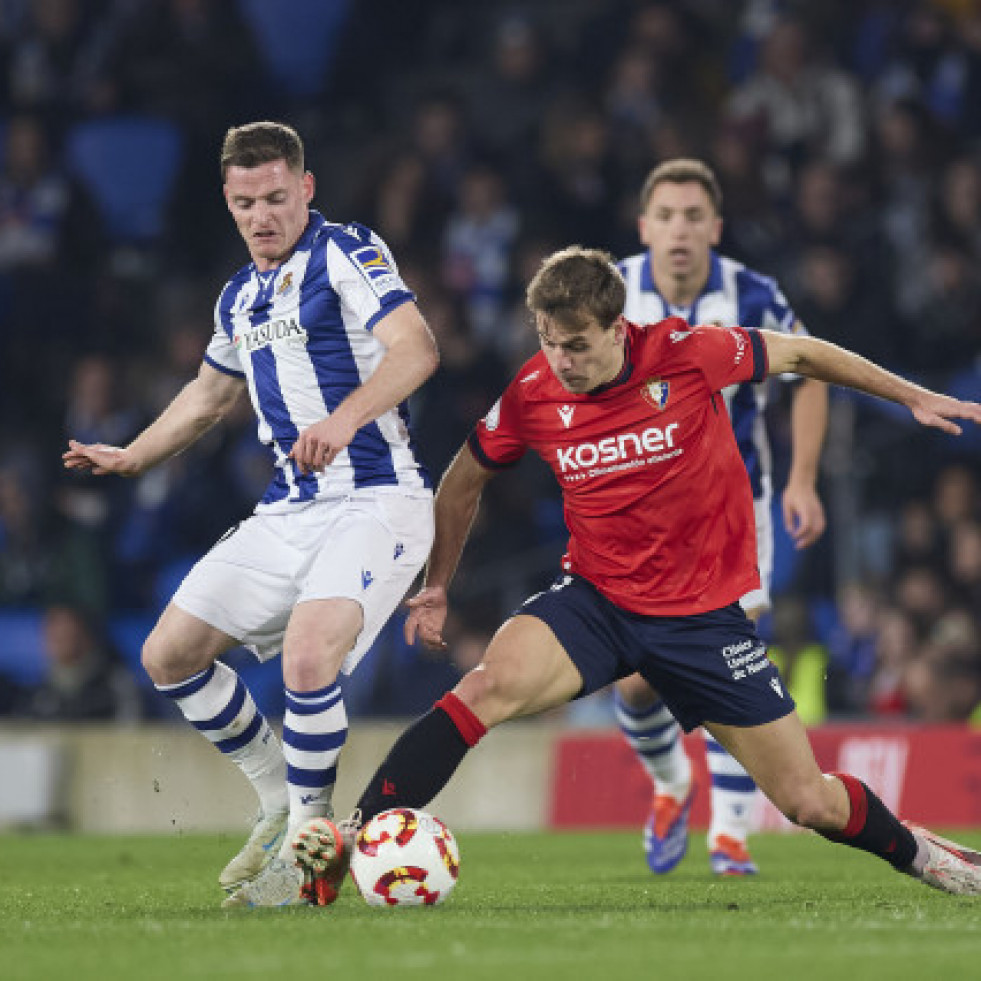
(661, 547)
(326, 338)
(681, 275)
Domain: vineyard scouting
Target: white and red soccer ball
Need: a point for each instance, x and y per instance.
(404, 857)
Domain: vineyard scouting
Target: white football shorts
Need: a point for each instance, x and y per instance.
(368, 546)
(759, 599)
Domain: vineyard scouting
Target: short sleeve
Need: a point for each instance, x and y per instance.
(496, 440)
(221, 353)
(363, 273)
(728, 355)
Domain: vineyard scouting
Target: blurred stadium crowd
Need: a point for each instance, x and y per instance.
(475, 139)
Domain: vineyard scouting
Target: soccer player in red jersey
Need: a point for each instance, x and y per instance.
(662, 545)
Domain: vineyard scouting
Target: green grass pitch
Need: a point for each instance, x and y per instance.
(527, 906)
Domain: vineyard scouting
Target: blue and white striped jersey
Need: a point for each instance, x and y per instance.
(301, 337)
(733, 295)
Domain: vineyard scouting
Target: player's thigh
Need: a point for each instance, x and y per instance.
(181, 645)
(778, 756)
(319, 635)
(525, 670)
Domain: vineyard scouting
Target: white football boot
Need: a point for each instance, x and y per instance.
(261, 848)
(278, 884)
(323, 850)
(950, 867)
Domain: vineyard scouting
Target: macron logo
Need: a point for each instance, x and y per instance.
(565, 414)
(366, 579)
(776, 686)
(388, 788)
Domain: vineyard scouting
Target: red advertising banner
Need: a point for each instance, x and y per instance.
(929, 774)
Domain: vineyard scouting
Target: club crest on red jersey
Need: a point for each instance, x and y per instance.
(655, 392)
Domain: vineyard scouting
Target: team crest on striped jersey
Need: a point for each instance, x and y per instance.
(285, 284)
(655, 392)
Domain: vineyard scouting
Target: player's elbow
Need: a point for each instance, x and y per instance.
(429, 360)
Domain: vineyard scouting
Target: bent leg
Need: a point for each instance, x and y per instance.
(778, 756)
(525, 670)
(180, 655)
(838, 806)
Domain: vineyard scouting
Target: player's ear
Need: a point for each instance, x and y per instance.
(716, 232)
(642, 229)
(619, 329)
(309, 186)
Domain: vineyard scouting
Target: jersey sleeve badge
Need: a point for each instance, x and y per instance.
(374, 264)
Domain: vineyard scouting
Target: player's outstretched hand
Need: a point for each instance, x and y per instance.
(803, 514)
(427, 614)
(98, 458)
(936, 410)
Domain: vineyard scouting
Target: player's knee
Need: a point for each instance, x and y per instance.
(317, 663)
(314, 649)
(809, 806)
(487, 692)
(159, 657)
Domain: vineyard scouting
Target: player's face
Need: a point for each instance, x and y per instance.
(581, 359)
(269, 205)
(679, 226)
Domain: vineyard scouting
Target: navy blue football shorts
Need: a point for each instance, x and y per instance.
(708, 667)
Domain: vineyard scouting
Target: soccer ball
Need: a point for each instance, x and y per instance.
(404, 857)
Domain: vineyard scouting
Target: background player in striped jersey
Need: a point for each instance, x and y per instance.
(322, 332)
(680, 274)
(661, 547)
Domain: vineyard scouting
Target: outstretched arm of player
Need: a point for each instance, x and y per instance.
(828, 362)
(196, 408)
(456, 505)
(410, 358)
(803, 514)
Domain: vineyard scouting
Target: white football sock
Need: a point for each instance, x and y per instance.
(217, 703)
(733, 794)
(314, 732)
(655, 736)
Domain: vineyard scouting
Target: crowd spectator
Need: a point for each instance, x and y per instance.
(848, 145)
(84, 681)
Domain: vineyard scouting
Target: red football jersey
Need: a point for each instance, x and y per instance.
(657, 500)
